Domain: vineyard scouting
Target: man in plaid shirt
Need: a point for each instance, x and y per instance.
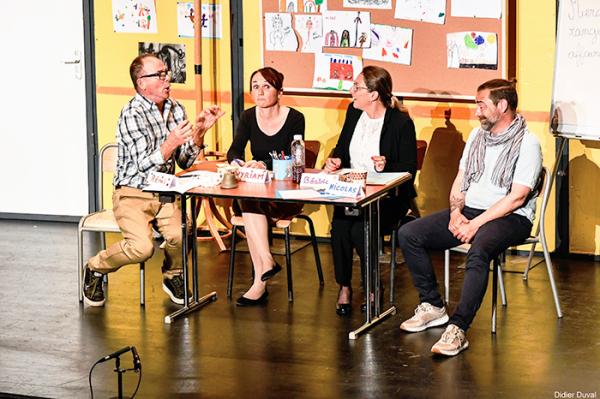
(152, 134)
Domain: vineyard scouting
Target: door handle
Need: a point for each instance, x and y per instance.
(76, 62)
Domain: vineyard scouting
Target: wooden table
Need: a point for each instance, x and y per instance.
(367, 204)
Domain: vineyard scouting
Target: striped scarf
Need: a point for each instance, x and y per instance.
(504, 169)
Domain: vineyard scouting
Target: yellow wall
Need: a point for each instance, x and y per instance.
(445, 126)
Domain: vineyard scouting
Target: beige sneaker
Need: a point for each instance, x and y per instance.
(453, 341)
(426, 315)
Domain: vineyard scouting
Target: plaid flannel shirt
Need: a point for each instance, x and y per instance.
(140, 132)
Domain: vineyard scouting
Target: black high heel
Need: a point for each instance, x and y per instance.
(243, 301)
(363, 306)
(270, 273)
(344, 309)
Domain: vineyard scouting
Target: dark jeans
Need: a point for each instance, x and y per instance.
(347, 234)
(431, 232)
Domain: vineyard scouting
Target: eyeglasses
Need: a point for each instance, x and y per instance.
(162, 75)
(355, 86)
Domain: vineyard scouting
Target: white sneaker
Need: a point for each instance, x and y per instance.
(453, 341)
(426, 315)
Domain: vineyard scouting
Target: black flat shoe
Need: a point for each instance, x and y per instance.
(243, 301)
(344, 309)
(270, 273)
(363, 306)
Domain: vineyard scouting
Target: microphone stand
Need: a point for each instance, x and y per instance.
(119, 372)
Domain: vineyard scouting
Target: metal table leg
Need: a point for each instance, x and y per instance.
(190, 304)
(372, 278)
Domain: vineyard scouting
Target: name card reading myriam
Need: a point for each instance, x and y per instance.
(318, 181)
(345, 189)
(253, 175)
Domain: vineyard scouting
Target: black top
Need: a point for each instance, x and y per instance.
(260, 143)
(398, 143)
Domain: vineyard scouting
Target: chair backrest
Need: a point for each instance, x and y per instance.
(545, 186)
(421, 150)
(312, 148)
(107, 163)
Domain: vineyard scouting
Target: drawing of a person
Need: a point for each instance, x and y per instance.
(357, 21)
(309, 25)
(331, 39)
(345, 39)
(277, 34)
(362, 39)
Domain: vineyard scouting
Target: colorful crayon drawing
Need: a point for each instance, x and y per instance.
(390, 44)
(472, 50)
(310, 30)
(335, 71)
(306, 6)
(433, 11)
(134, 16)
(210, 20)
(288, 6)
(347, 29)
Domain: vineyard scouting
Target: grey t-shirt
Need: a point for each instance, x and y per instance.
(483, 194)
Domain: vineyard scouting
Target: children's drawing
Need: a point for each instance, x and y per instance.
(421, 10)
(288, 5)
(335, 71)
(390, 44)
(379, 4)
(476, 8)
(310, 29)
(173, 55)
(314, 6)
(347, 29)
(210, 20)
(279, 35)
(472, 50)
(134, 16)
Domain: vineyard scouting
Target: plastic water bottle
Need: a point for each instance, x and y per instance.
(298, 157)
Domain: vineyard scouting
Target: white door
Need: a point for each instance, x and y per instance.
(43, 152)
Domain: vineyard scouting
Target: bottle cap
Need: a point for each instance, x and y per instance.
(297, 137)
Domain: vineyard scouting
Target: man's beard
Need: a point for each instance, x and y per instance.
(486, 124)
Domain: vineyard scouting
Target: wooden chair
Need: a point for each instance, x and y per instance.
(209, 206)
(312, 148)
(102, 221)
(544, 186)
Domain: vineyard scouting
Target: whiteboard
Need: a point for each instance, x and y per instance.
(576, 93)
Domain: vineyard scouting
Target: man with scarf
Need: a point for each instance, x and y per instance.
(492, 206)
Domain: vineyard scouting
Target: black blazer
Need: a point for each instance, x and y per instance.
(398, 144)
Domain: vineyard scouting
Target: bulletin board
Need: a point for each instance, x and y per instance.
(428, 75)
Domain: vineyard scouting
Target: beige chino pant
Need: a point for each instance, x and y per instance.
(136, 212)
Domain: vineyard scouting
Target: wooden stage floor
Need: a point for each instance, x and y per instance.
(48, 341)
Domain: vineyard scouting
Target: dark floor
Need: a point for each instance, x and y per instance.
(48, 341)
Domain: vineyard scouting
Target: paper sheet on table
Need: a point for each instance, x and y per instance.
(303, 194)
(383, 179)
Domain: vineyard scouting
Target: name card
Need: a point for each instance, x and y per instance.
(160, 179)
(253, 175)
(344, 189)
(318, 181)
